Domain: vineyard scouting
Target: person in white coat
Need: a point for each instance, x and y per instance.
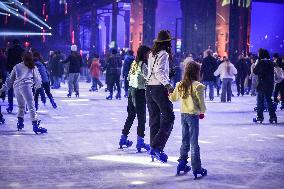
(227, 72)
(23, 76)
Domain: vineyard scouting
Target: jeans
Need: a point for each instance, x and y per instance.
(161, 115)
(211, 88)
(240, 81)
(190, 132)
(45, 87)
(226, 94)
(126, 85)
(56, 82)
(218, 85)
(263, 96)
(24, 96)
(73, 82)
(95, 83)
(279, 88)
(253, 85)
(136, 106)
(114, 80)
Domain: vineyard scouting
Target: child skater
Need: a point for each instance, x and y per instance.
(45, 81)
(190, 92)
(137, 100)
(95, 72)
(23, 76)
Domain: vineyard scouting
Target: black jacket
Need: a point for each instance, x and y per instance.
(242, 68)
(114, 64)
(264, 69)
(75, 61)
(14, 56)
(55, 66)
(208, 67)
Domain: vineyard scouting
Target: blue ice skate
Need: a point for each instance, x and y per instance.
(124, 142)
(20, 124)
(140, 144)
(38, 129)
(182, 166)
(159, 155)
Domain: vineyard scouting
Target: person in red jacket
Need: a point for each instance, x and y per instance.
(95, 73)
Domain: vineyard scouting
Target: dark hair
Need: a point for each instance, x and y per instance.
(130, 52)
(16, 41)
(141, 53)
(28, 60)
(276, 55)
(96, 55)
(159, 46)
(114, 51)
(263, 54)
(191, 73)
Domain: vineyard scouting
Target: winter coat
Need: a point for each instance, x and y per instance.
(55, 66)
(114, 64)
(127, 65)
(14, 56)
(42, 70)
(75, 61)
(242, 67)
(208, 67)
(95, 69)
(264, 69)
(223, 71)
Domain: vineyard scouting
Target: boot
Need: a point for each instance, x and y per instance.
(38, 129)
(69, 95)
(273, 120)
(77, 94)
(10, 108)
(109, 97)
(182, 166)
(36, 106)
(159, 155)
(2, 120)
(258, 119)
(140, 144)
(20, 124)
(118, 97)
(201, 171)
(124, 142)
(53, 103)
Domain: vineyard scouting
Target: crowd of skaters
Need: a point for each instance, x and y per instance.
(155, 78)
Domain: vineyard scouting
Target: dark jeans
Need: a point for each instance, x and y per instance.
(240, 81)
(56, 82)
(126, 85)
(218, 85)
(45, 87)
(190, 132)
(161, 115)
(114, 80)
(136, 106)
(10, 96)
(211, 88)
(261, 97)
(279, 88)
(226, 94)
(95, 83)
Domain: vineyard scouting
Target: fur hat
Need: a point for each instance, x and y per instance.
(163, 36)
(74, 48)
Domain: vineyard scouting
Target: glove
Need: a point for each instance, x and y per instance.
(169, 88)
(201, 116)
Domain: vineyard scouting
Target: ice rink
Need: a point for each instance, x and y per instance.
(80, 149)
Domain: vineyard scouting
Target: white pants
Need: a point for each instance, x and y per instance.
(24, 96)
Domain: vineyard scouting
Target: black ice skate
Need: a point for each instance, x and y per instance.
(202, 172)
(141, 144)
(10, 108)
(69, 95)
(273, 120)
(38, 129)
(2, 120)
(20, 124)
(258, 119)
(124, 142)
(182, 166)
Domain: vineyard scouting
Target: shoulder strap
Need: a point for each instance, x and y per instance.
(154, 66)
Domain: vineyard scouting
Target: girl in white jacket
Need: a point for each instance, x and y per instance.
(23, 76)
(227, 72)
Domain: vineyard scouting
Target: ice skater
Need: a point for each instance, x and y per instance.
(95, 72)
(23, 76)
(76, 63)
(137, 100)
(45, 81)
(161, 115)
(3, 62)
(190, 92)
(264, 69)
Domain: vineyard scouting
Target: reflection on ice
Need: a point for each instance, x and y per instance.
(145, 160)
